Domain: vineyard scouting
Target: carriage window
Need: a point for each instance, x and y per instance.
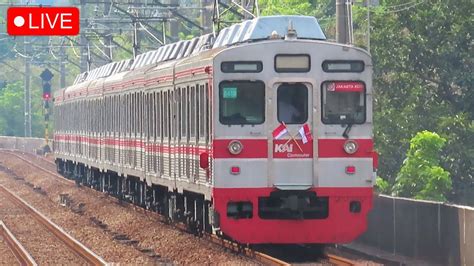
(184, 104)
(198, 108)
(159, 115)
(343, 102)
(208, 107)
(202, 113)
(192, 112)
(292, 103)
(241, 102)
(166, 112)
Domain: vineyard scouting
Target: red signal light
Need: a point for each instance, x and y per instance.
(350, 169)
(46, 96)
(235, 170)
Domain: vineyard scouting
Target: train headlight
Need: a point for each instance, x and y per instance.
(235, 147)
(350, 146)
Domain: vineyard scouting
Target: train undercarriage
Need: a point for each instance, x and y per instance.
(188, 208)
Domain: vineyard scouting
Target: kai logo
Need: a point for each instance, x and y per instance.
(284, 147)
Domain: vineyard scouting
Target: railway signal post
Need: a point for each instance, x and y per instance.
(46, 77)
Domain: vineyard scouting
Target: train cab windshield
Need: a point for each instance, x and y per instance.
(241, 102)
(343, 103)
(292, 103)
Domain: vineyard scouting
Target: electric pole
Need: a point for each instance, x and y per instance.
(82, 41)
(344, 21)
(136, 39)
(368, 25)
(174, 23)
(27, 92)
(62, 68)
(205, 17)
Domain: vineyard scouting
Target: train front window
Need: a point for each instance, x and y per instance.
(241, 102)
(343, 102)
(292, 103)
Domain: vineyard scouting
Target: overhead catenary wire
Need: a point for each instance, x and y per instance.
(406, 8)
(151, 34)
(401, 8)
(74, 49)
(18, 53)
(50, 47)
(401, 5)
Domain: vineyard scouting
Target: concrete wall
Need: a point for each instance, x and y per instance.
(23, 144)
(435, 232)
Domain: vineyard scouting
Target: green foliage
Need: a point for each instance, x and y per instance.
(323, 10)
(422, 55)
(421, 176)
(184, 36)
(286, 7)
(382, 185)
(459, 154)
(423, 62)
(11, 111)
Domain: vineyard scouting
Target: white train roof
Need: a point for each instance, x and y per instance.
(259, 28)
(262, 27)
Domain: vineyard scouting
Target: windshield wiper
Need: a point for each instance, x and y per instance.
(347, 130)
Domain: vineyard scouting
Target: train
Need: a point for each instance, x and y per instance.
(261, 133)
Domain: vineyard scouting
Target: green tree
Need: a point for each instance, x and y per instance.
(11, 111)
(382, 186)
(422, 60)
(458, 155)
(421, 176)
(286, 7)
(323, 10)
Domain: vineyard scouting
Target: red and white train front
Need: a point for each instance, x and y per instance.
(292, 149)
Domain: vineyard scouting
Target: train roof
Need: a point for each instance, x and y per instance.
(262, 27)
(259, 28)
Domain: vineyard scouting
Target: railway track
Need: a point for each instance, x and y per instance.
(55, 174)
(19, 252)
(69, 243)
(258, 256)
(340, 261)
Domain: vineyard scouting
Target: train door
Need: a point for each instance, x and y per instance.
(292, 145)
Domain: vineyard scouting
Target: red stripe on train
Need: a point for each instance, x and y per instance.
(252, 148)
(333, 148)
(327, 148)
(150, 147)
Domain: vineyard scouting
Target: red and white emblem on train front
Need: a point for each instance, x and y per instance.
(293, 149)
(283, 147)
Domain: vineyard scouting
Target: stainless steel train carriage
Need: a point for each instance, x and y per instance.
(262, 134)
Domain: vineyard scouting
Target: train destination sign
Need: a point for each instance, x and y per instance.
(346, 86)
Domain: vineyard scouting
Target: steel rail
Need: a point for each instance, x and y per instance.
(81, 250)
(339, 261)
(20, 253)
(55, 174)
(248, 252)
